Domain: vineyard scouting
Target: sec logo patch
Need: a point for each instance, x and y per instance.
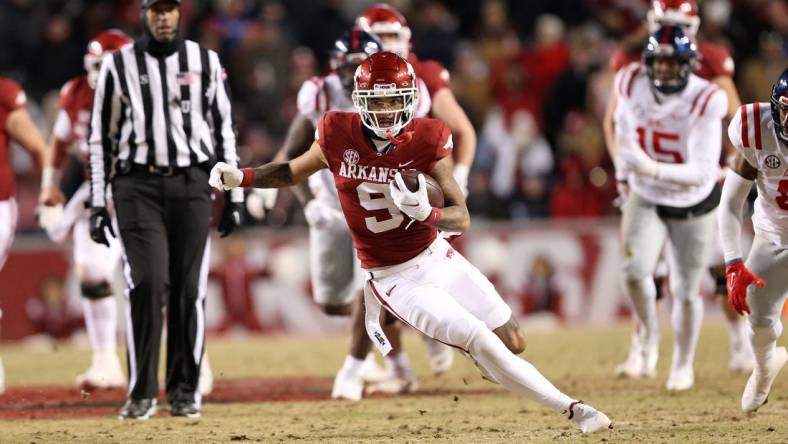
(350, 157)
(772, 161)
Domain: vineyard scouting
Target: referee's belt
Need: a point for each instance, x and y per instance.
(154, 170)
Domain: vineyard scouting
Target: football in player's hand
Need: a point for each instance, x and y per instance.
(434, 191)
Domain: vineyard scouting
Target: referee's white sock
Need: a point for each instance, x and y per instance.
(515, 373)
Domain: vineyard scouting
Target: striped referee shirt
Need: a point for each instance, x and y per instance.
(170, 111)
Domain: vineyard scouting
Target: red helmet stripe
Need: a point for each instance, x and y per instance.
(354, 43)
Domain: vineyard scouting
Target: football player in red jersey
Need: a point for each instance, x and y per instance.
(714, 63)
(16, 125)
(391, 28)
(94, 263)
(411, 270)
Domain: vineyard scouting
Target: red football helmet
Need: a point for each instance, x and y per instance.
(102, 44)
(385, 93)
(382, 20)
(682, 13)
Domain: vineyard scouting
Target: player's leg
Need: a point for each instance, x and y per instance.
(643, 237)
(478, 295)
(769, 262)
(95, 266)
(690, 245)
(331, 267)
(418, 297)
(8, 215)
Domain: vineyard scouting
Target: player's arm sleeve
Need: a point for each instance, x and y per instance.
(103, 128)
(223, 128)
(435, 76)
(444, 145)
(734, 194)
(703, 144)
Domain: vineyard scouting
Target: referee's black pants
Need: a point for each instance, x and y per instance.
(164, 223)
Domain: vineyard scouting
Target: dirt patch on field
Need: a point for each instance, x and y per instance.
(52, 402)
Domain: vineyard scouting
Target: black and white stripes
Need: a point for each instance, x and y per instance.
(173, 111)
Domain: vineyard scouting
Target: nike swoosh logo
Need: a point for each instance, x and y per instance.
(388, 293)
(410, 205)
(404, 164)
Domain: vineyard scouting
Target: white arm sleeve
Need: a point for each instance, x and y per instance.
(703, 148)
(734, 194)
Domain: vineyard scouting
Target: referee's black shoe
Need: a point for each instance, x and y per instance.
(138, 409)
(187, 409)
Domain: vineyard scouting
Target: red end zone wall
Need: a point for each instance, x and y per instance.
(567, 271)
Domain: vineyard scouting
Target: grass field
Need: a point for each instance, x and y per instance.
(457, 408)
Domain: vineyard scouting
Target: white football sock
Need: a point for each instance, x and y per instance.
(643, 294)
(686, 317)
(737, 333)
(101, 322)
(515, 373)
(351, 366)
(764, 341)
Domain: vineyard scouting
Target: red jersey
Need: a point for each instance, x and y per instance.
(76, 102)
(362, 176)
(432, 73)
(11, 99)
(713, 60)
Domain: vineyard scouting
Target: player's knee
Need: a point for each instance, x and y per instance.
(463, 333)
(96, 290)
(338, 310)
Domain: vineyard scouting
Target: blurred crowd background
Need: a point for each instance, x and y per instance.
(532, 75)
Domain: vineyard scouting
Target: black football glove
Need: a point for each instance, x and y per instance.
(99, 220)
(231, 217)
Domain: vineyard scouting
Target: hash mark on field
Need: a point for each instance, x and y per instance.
(50, 402)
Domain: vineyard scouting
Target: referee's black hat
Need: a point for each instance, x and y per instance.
(148, 3)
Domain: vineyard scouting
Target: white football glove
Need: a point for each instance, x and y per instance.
(415, 205)
(635, 159)
(460, 174)
(623, 193)
(49, 216)
(259, 200)
(225, 177)
(319, 214)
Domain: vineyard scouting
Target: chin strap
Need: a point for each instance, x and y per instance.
(402, 138)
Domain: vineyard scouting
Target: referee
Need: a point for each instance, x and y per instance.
(161, 119)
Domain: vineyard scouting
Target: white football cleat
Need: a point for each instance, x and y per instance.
(371, 372)
(205, 384)
(756, 392)
(401, 379)
(633, 366)
(439, 355)
(105, 372)
(588, 419)
(347, 386)
(680, 379)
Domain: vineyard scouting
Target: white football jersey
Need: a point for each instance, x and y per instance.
(752, 133)
(682, 128)
(319, 95)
